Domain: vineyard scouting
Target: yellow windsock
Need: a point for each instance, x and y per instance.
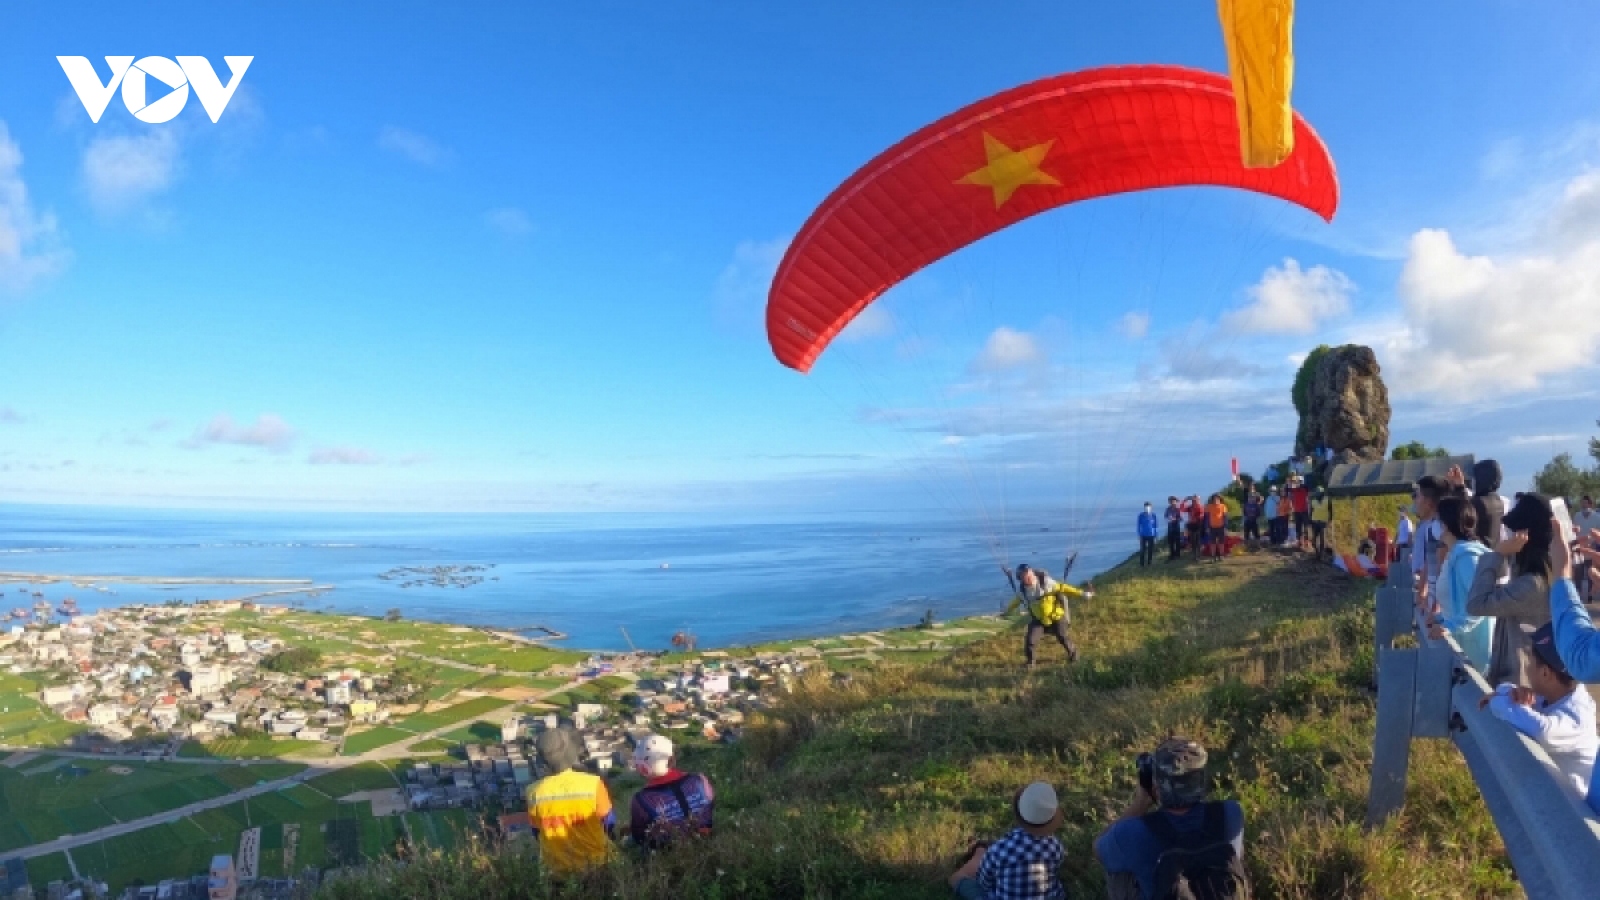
(1260, 39)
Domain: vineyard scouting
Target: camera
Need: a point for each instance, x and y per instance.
(1147, 773)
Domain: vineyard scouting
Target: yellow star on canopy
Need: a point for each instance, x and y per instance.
(1010, 169)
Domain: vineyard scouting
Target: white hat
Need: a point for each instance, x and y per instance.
(652, 755)
(1037, 804)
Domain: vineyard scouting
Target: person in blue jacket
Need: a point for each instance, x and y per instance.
(1149, 528)
(1577, 639)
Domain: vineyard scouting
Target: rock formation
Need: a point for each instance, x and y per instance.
(1346, 406)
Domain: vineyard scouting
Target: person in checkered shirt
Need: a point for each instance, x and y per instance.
(1026, 863)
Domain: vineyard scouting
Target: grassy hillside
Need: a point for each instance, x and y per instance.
(872, 788)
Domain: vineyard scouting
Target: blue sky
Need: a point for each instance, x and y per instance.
(500, 257)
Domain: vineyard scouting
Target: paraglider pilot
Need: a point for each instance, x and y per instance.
(1048, 611)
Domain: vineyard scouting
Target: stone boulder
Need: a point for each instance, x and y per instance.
(1347, 407)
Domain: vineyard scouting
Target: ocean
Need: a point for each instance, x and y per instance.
(727, 580)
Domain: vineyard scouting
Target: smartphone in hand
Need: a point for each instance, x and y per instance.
(1564, 519)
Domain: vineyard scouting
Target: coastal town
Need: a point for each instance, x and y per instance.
(388, 732)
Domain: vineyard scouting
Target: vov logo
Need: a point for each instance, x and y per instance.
(133, 78)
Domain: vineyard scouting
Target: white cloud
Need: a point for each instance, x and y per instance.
(740, 294)
(1134, 325)
(418, 148)
(509, 221)
(29, 247)
(120, 172)
(1496, 325)
(1005, 349)
(873, 322)
(269, 432)
(343, 456)
(1291, 300)
(1523, 440)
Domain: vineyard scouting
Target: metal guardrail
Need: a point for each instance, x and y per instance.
(1430, 691)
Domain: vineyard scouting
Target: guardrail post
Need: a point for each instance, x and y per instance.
(1391, 745)
(1435, 679)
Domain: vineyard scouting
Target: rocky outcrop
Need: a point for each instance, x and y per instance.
(1346, 406)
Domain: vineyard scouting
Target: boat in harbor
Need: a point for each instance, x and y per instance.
(19, 613)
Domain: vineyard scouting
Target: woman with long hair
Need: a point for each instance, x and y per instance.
(1462, 551)
(1522, 602)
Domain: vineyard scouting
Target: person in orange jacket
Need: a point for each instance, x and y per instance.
(1217, 526)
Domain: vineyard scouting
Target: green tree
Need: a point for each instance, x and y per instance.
(1418, 450)
(292, 661)
(1561, 477)
(1301, 392)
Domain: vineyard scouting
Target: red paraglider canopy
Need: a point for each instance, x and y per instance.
(999, 161)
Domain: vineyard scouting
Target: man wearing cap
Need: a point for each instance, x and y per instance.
(1213, 832)
(671, 803)
(1026, 863)
(571, 809)
(1046, 600)
(1556, 711)
(1277, 517)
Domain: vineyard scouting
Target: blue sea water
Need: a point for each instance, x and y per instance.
(728, 580)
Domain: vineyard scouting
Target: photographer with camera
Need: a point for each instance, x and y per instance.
(1186, 848)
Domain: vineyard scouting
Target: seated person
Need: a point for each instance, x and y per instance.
(1186, 841)
(671, 803)
(571, 809)
(1026, 863)
(1556, 711)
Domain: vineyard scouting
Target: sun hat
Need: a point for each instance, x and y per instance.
(1037, 804)
(1544, 647)
(652, 755)
(1180, 772)
(559, 749)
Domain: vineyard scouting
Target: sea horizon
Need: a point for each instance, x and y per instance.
(729, 578)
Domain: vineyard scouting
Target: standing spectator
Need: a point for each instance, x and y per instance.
(1522, 603)
(1252, 518)
(1195, 525)
(1174, 529)
(1149, 528)
(1300, 505)
(1576, 638)
(1556, 711)
(1463, 549)
(1217, 527)
(571, 809)
(1425, 544)
(1026, 863)
(1587, 522)
(1275, 511)
(1403, 532)
(1486, 500)
(672, 804)
(1321, 518)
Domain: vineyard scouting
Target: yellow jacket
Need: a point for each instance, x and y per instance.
(1050, 606)
(1322, 509)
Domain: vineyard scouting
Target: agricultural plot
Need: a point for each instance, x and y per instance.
(363, 777)
(44, 869)
(476, 733)
(24, 721)
(451, 715)
(357, 744)
(83, 795)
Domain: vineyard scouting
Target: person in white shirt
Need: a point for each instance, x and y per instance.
(1587, 521)
(1556, 711)
(1425, 544)
(1403, 533)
